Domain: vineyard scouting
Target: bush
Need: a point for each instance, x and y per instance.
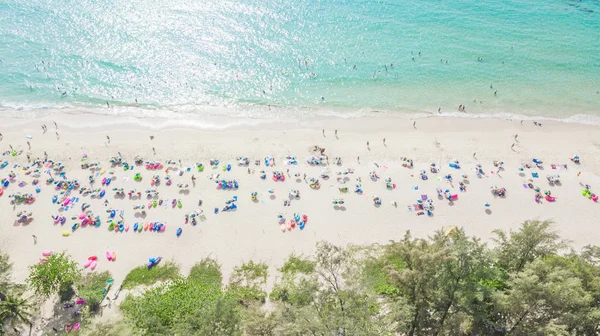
(183, 307)
(90, 288)
(144, 276)
(207, 271)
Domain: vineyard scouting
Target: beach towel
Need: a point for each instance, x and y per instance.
(534, 175)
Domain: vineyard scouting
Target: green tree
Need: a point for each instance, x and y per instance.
(58, 273)
(15, 310)
(248, 282)
(257, 322)
(543, 299)
(324, 297)
(437, 286)
(586, 319)
(533, 240)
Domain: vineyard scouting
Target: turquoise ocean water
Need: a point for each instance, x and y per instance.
(540, 57)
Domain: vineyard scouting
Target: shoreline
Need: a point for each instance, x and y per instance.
(220, 118)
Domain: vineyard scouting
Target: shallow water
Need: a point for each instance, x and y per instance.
(541, 58)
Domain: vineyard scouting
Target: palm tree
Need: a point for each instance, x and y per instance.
(15, 311)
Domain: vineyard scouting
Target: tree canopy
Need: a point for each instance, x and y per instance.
(526, 282)
(59, 272)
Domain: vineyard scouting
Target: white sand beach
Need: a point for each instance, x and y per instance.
(252, 231)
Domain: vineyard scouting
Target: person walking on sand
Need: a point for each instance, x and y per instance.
(55, 125)
(29, 145)
(414, 124)
(474, 153)
(367, 144)
(358, 159)
(34, 239)
(516, 136)
(154, 150)
(384, 141)
(512, 147)
(323, 132)
(108, 138)
(336, 133)
(57, 136)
